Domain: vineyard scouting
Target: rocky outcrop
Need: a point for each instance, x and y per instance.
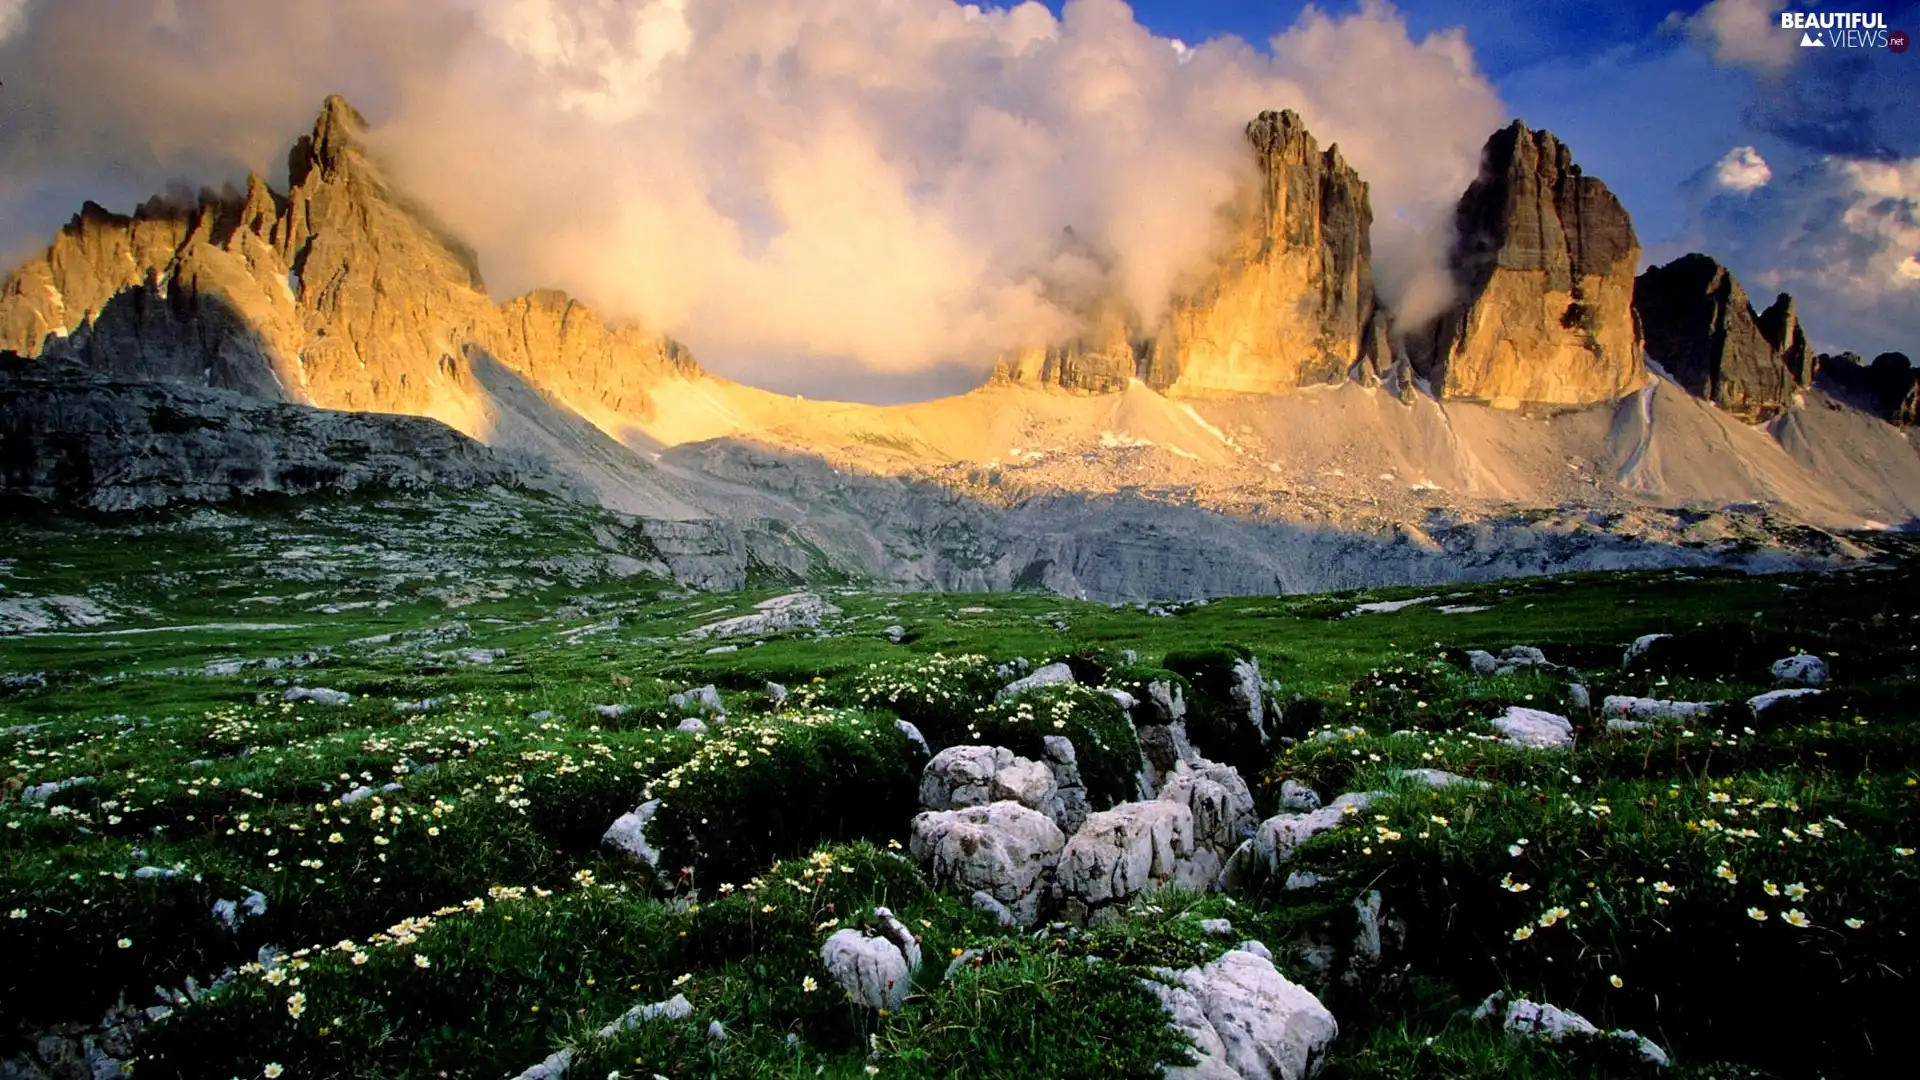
(341, 293)
(1289, 302)
(1543, 260)
(1888, 388)
(1245, 1019)
(75, 438)
(1702, 331)
(1003, 850)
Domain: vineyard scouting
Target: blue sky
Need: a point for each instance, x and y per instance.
(1650, 103)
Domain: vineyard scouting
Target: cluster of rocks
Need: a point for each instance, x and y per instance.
(791, 611)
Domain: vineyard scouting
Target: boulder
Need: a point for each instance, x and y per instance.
(1623, 707)
(1121, 851)
(1440, 778)
(1245, 1019)
(1535, 728)
(319, 695)
(770, 616)
(1273, 841)
(1050, 675)
(1219, 801)
(704, 700)
(1004, 850)
(1298, 798)
(628, 834)
(1551, 1023)
(1762, 702)
(976, 775)
(913, 736)
(1800, 669)
(1639, 648)
(1067, 781)
(874, 967)
(1511, 659)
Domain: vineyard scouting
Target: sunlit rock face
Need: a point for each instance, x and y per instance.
(1287, 303)
(341, 293)
(1543, 261)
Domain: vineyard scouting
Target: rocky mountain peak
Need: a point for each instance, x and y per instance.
(1287, 302)
(1701, 328)
(342, 293)
(335, 145)
(1543, 260)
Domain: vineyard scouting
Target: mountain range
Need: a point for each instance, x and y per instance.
(1271, 428)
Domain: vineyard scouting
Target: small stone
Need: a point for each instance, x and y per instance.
(1800, 669)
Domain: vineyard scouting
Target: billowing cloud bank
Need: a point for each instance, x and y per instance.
(879, 181)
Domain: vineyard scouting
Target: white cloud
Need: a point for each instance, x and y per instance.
(1742, 170)
(882, 181)
(1841, 235)
(1746, 34)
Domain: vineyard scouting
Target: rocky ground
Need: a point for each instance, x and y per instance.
(343, 788)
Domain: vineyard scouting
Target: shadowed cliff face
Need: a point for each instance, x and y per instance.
(1889, 387)
(1701, 328)
(341, 294)
(1544, 259)
(1288, 303)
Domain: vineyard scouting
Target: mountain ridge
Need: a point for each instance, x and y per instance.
(342, 294)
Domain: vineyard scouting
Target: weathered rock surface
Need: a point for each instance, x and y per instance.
(1510, 660)
(1246, 1020)
(69, 437)
(1800, 669)
(1049, 675)
(875, 969)
(1274, 840)
(1004, 850)
(1626, 707)
(1544, 259)
(770, 616)
(1540, 1020)
(1702, 330)
(1535, 728)
(628, 834)
(1121, 851)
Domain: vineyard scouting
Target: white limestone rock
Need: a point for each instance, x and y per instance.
(788, 612)
(1298, 798)
(1121, 851)
(1800, 669)
(1624, 707)
(875, 969)
(1218, 798)
(319, 695)
(628, 834)
(1639, 648)
(1246, 1020)
(1275, 839)
(1050, 675)
(1004, 850)
(1535, 728)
